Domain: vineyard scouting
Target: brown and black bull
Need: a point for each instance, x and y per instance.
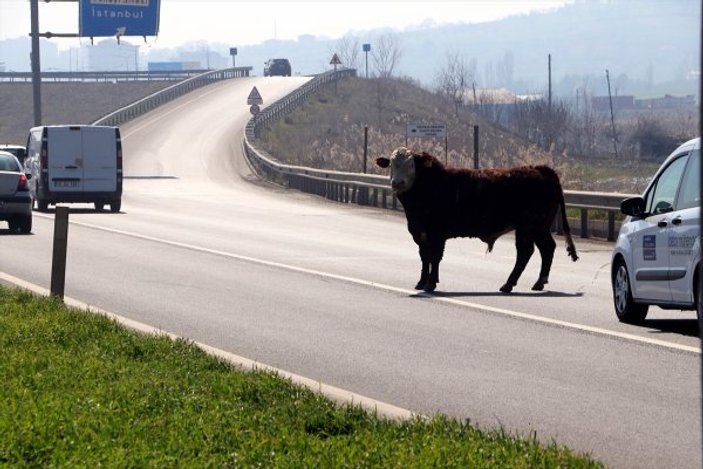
(442, 203)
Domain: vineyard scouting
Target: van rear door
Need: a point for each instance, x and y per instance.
(99, 159)
(65, 159)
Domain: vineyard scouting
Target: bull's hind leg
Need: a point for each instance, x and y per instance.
(525, 247)
(546, 245)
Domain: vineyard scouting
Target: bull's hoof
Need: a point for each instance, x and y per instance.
(507, 288)
(420, 285)
(539, 285)
(429, 286)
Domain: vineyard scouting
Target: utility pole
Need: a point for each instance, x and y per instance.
(612, 116)
(36, 66)
(549, 72)
(367, 48)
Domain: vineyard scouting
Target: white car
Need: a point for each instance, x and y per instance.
(656, 256)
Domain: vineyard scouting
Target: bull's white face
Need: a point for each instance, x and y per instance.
(402, 170)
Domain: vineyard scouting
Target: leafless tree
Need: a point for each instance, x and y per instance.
(455, 79)
(348, 49)
(544, 124)
(385, 55)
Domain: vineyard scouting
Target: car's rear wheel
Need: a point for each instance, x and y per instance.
(25, 224)
(625, 307)
(116, 205)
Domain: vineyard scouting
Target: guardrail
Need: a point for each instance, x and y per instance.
(155, 100)
(375, 190)
(110, 76)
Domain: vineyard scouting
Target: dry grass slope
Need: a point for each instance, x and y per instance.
(328, 133)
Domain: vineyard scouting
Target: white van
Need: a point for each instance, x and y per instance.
(75, 163)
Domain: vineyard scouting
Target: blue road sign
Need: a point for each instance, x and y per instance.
(118, 18)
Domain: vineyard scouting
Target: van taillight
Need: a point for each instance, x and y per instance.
(44, 158)
(22, 185)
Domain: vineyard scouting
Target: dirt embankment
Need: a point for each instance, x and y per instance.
(65, 103)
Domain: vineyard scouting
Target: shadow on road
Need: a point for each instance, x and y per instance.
(536, 294)
(687, 327)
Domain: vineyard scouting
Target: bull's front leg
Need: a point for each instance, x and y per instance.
(436, 252)
(431, 253)
(425, 272)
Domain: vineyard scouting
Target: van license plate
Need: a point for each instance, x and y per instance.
(73, 183)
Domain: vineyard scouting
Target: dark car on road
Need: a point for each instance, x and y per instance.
(277, 67)
(18, 150)
(15, 199)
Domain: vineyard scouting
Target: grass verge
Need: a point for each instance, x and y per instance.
(79, 390)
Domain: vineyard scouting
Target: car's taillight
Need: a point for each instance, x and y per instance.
(22, 184)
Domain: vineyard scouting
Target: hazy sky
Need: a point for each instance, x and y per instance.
(239, 22)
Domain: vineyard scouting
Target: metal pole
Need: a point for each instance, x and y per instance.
(700, 267)
(612, 115)
(549, 71)
(475, 147)
(36, 66)
(366, 145)
(58, 263)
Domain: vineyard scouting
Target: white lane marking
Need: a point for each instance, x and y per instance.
(337, 394)
(390, 288)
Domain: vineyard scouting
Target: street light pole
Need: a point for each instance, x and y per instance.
(367, 48)
(36, 66)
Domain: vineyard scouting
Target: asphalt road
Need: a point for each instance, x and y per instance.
(203, 250)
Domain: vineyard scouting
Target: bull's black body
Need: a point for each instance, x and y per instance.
(444, 203)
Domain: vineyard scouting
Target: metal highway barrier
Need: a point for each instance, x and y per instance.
(375, 190)
(155, 100)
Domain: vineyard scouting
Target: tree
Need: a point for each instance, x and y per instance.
(385, 55)
(348, 50)
(455, 79)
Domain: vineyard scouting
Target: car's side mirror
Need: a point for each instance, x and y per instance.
(633, 206)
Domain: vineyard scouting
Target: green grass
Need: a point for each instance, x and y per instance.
(78, 390)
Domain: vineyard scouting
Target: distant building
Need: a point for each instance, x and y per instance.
(109, 55)
(667, 102)
(173, 66)
(620, 103)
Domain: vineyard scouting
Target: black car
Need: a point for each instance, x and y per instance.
(277, 67)
(18, 150)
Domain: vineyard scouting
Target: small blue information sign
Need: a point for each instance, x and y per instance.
(118, 18)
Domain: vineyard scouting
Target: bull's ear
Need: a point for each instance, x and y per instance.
(383, 162)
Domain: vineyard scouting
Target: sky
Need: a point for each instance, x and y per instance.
(239, 22)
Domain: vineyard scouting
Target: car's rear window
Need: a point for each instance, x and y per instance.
(8, 163)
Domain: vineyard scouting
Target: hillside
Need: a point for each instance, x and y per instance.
(328, 133)
(66, 103)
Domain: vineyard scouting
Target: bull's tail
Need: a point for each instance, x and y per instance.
(570, 247)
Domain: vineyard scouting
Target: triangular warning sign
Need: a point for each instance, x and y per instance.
(254, 97)
(335, 60)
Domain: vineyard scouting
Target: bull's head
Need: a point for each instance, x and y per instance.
(402, 165)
